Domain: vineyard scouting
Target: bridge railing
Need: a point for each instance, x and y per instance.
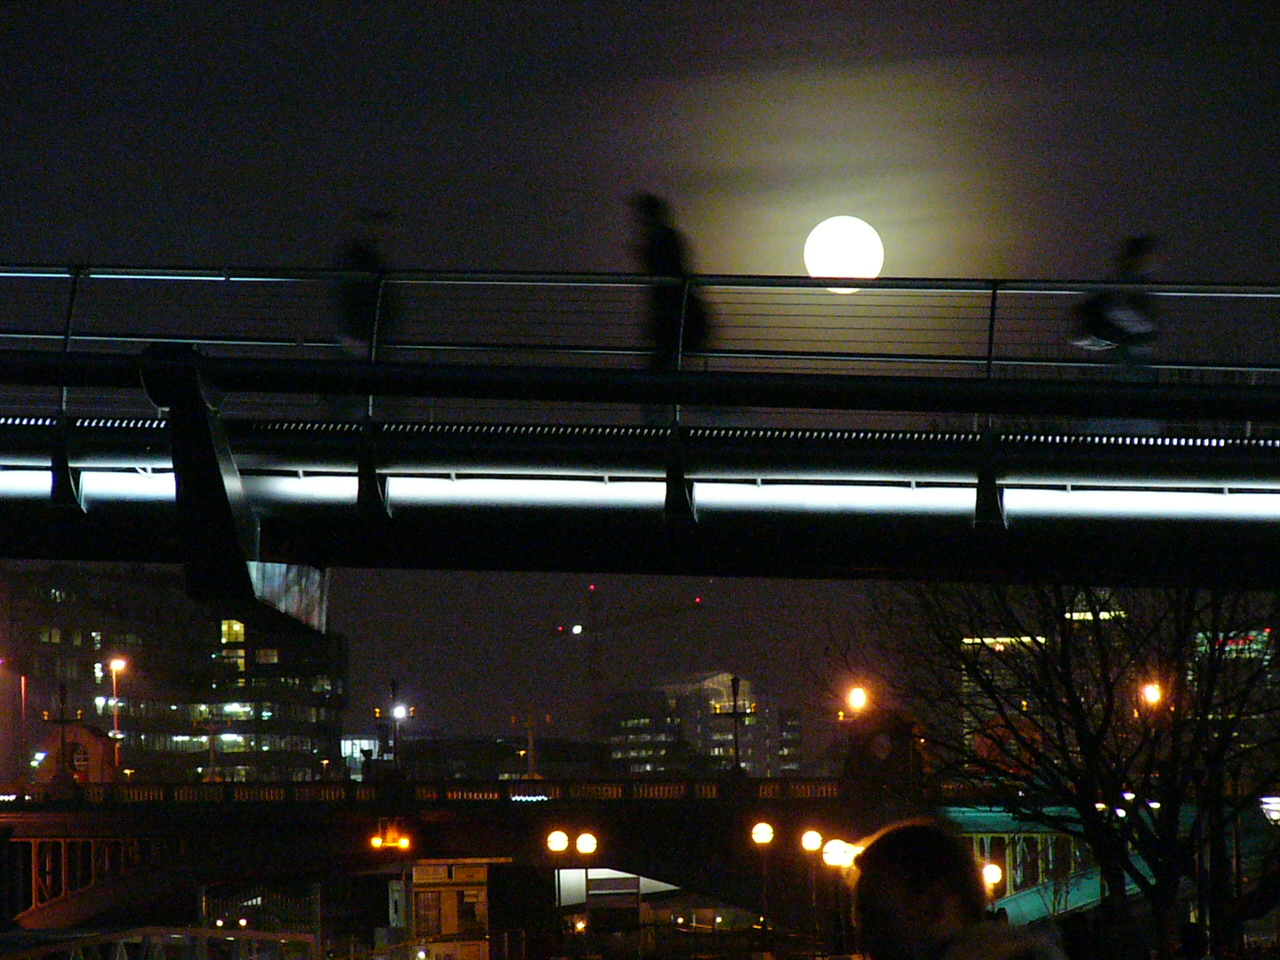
(904, 327)
(32, 796)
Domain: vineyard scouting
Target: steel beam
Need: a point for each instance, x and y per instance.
(576, 384)
(217, 527)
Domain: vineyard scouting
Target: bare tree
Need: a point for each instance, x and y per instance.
(1140, 722)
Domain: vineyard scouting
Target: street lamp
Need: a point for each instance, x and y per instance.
(1152, 694)
(856, 702)
(399, 712)
(762, 836)
(389, 836)
(557, 841)
(585, 844)
(840, 855)
(992, 874)
(117, 665)
(811, 843)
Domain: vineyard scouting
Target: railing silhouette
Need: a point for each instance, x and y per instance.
(25, 797)
(957, 329)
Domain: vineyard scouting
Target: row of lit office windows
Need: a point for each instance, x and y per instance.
(217, 712)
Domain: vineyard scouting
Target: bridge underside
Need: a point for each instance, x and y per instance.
(772, 503)
(722, 500)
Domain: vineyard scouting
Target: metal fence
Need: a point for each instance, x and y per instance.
(784, 325)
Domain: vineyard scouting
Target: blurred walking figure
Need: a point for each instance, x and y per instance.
(359, 294)
(1122, 320)
(677, 318)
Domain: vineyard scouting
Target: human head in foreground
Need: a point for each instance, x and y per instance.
(920, 896)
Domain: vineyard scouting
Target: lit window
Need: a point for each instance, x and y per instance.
(232, 632)
(266, 656)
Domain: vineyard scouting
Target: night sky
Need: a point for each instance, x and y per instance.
(1009, 139)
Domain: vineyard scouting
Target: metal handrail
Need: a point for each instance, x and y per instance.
(571, 324)
(23, 797)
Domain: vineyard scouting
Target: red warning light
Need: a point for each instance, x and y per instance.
(697, 599)
(591, 586)
(560, 629)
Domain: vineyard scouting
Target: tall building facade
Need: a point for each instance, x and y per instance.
(703, 724)
(111, 672)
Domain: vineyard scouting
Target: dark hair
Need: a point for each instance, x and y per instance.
(917, 855)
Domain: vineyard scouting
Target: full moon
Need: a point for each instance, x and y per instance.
(844, 247)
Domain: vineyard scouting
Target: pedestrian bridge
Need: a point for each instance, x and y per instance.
(912, 428)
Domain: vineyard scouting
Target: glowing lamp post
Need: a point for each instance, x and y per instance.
(762, 836)
(389, 836)
(117, 665)
(840, 855)
(398, 713)
(1152, 694)
(992, 874)
(811, 843)
(557, 841)
(585, 844)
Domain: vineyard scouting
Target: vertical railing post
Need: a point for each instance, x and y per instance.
(991, 328)
(68, 322)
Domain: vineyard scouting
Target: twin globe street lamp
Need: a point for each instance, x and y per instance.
(585, 844)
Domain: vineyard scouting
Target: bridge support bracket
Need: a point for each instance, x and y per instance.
(218, 529)
(64, 490)
(371, 489)
(988, 510)
(679, 509)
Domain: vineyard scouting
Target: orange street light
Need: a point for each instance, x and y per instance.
(389, 837)
(811, 843)
(557, 841)
(117, 665)
(992, 874)
(1152, 694)
(858, 699)
(762, 836)
(839, 853)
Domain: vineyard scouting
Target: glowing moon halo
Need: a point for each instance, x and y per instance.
(844, 247)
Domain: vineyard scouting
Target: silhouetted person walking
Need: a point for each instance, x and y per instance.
(359, 295)
(677, 318)
(1123, 320)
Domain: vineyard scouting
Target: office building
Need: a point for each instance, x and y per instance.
(703, 724)
(111, 672)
